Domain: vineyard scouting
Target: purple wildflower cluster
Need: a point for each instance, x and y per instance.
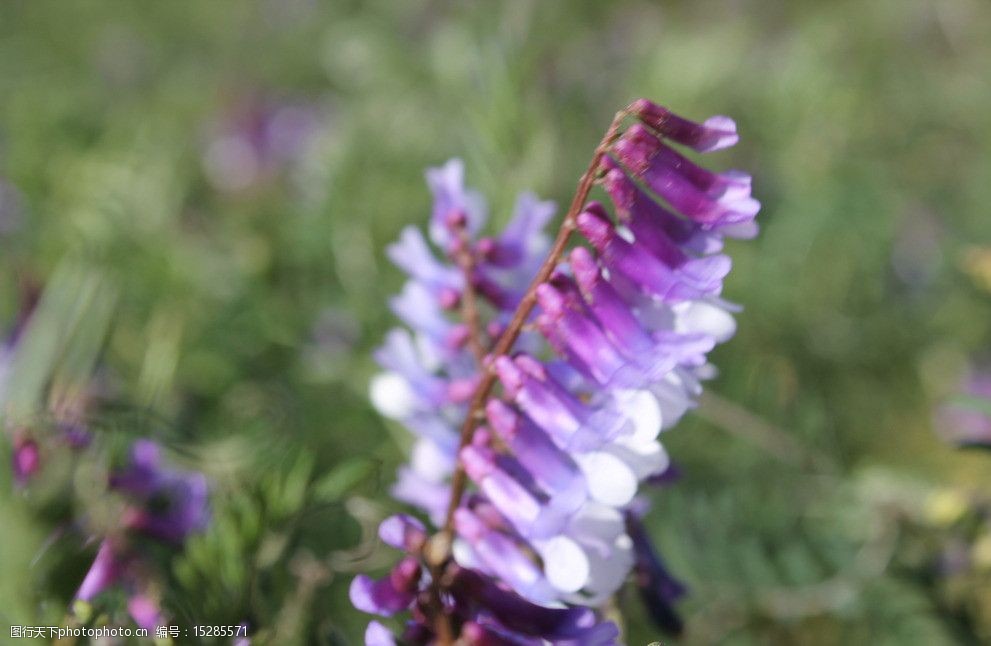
(613, 353)
(162, 505)
(159, 504)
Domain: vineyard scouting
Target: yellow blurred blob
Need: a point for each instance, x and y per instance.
(976, 262)
(981, 552)
(946, 507)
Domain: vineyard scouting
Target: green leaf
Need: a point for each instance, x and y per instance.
(343, 479)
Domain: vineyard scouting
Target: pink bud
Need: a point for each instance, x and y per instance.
(27, 460)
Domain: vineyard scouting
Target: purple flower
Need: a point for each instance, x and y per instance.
(509, 614)
(614, 352)
(388, 595)
(116, 564)
(661, 271)
(145, 611)
(707, 198)
(488, 612)
(243, 640)
(107, 568)
(162, 505)
(453, 201)
(26, 460)
(258, 139)
(378, 635)
(715, 133)
(75, 433)
(965, 420)
(168, 505)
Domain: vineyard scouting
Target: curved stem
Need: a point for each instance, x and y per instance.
(459, 480)
(512, 331)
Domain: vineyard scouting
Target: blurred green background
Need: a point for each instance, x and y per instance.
(249, 294)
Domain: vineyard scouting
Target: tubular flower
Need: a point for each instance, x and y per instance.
(547, 401)
(485, 611)
(118, 565)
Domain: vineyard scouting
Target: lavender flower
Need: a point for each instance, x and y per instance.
(486, 612)
(605, 349)
(106, 570)
(257, 140)
(965, 420)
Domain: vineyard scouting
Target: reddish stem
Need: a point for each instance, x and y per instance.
(512, 331)
(465, 259)
(459, 480)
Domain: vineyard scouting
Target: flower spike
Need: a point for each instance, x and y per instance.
(560, 390)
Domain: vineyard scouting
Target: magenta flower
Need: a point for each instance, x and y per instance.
(117, 564)
(537, 410)
(26, 460)
(106, 570)
(31, 444)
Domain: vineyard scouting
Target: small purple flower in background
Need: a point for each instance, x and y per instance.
(162, 505)
(165, 504)
(533, 489)
(116, 564)
(965, 419)
(27, 459)
(159, 504)
(105, 571)
(256, 140)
